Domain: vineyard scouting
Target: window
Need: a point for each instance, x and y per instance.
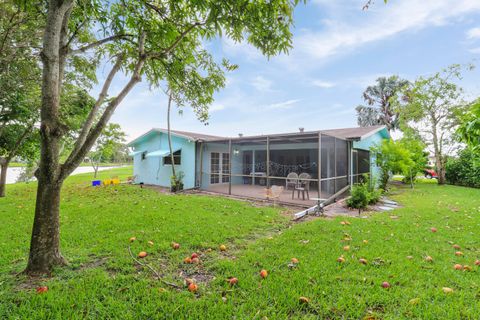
(225, 167)
(214, 167)
(177, 156)
(144, 155)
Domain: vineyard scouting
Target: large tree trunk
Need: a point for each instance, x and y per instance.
(3, 178)
(45, 242)
(438, 154)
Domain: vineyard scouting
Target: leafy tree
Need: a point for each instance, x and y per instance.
(108, 143)
(392, 158)
(469, 130)
(160, 41)
(464, 170)
(417, 154)
(379, 109)
(432, 111)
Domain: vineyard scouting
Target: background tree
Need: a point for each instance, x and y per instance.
(469, 130)
(159, 41)
(379, 109)
(107, 145)
(392, 158)
(432, 111)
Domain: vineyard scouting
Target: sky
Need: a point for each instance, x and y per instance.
(338, 50)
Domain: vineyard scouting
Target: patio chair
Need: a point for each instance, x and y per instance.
(292, 180)
(304, 182)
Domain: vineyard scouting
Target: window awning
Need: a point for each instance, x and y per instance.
(134, 153)
(161, 153)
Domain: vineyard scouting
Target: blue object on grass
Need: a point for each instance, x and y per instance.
(96, 183)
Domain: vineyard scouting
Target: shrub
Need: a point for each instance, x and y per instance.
(359, 197)
(464, 170)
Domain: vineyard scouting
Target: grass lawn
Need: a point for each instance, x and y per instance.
(103, 282)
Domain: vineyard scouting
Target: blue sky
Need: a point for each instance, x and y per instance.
(338, 51)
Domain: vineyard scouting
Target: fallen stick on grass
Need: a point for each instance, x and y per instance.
(153, 270)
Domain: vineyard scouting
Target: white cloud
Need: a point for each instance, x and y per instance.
(473, 33)
(261, 84)
(283, 105)
(323, 84)
(216, 107)
(379, 23)
(475, 50)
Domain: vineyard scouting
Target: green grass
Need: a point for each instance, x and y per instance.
(102, 281)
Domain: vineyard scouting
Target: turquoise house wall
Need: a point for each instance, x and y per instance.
(367, 144)
(151, 170)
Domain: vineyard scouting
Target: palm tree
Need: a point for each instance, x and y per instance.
(378, 110)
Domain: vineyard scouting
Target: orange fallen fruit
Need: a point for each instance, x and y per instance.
(192, 287)
(456, 246)
(175, 246)
(447, 290)
(303, 300)
(132, 239)
(196, 260)
(346, 248)
(477, 262)
(467, 268)
(187, 260)
(42, 289)
(385, 285)
(194, 255)
(458, 253)
(363, 261)
(232, 281)
(433, 229)
(294, 260)
(142, 254)
(458, 267)
(428, 259)
(223, 247)
(341, 259)
(263, 273)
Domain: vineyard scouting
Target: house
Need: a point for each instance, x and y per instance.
(329, 161)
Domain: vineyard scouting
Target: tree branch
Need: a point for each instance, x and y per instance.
(101, 98)
(92, 136)
(99, 43)
(177, 41)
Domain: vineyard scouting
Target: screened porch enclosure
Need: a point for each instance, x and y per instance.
(291, 168)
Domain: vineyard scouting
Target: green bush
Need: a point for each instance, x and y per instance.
(464, 170)
(363, 194)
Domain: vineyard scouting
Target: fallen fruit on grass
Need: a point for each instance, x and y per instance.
(433, 229)
(365, 241)
(196, 260)
(294, 260)
(42, 289)
(194, 255)
(428, 259)
(187, 260)
(447, 290)
(458, 267)
(150, 243)
(467, 268)
(362, 261)
(409, 257)
(175, 246)
(303, 300)
(223, 247)
(341, 259)
(477, 262)
(345, 223)
(188, 281)
(263, 273)
(458, 253)
(142, 254)
(232, 281)
(386, 285)
(346, 248)
(192, 287)
(414, 301)
(456, 246)
(132, 239)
